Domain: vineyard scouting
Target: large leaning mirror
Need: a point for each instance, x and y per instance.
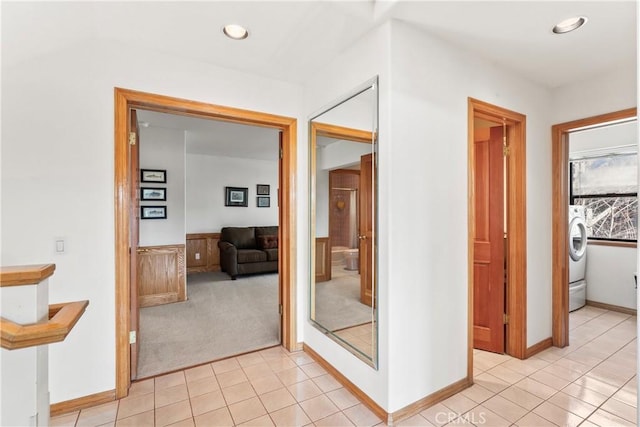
(343, 225)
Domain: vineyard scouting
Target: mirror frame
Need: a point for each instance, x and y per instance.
(355, 135)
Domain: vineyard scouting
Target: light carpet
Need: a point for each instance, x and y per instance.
(221, 318)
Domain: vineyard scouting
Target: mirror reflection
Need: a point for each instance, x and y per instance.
(343, 226)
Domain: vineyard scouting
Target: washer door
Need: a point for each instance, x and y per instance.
(577, 239)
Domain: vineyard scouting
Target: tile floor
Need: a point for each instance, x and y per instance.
(591, 382)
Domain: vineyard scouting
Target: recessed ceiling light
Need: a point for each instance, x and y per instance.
(235, 32)
(570, 24)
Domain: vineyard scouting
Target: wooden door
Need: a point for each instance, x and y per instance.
(366, 229)
(488, 263)
(134, 217)
(161, 275)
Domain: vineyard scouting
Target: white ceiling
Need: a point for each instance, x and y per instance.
(290, 39)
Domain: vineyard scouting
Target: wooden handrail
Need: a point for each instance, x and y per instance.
(25, 274)
(62, 318)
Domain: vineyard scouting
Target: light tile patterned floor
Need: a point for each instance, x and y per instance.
(591, 382)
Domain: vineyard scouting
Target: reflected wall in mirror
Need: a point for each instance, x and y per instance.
(343, 206)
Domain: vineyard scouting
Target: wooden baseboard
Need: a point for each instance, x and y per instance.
(428, 401)
(538, 347)
(612, 307)
(82, 402)
(401, 414)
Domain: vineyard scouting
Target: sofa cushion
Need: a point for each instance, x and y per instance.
(251, 255)
(271, 230)
(267, 242)
(272, 254)
(240, 237)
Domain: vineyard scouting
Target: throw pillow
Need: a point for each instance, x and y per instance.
(268, 241)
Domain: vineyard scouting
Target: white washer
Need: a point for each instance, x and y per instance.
(577, 257)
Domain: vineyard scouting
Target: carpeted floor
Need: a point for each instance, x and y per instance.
(220, 318)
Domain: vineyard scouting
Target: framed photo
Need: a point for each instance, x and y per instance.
(153, 212)
(236, 196)
(147, 193)
(263, 202)
(153, 175)
(262, 189)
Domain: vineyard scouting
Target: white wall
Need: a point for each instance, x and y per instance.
(207, 177)
(162, 148)
(610, 273)
(57, 178)
(430, 88)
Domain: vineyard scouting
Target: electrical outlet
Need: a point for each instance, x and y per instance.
(197, 255)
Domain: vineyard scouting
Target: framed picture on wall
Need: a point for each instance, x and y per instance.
(262, 189)
(147, 193)
(153, 175)
(236, 196)
(153, 212)
(263, 202)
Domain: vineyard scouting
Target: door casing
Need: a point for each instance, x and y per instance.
(560, 253)
(125, 100)
(516, 291)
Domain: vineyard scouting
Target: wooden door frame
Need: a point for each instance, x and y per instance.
(516, 290)
(125, 100)
(560, 206)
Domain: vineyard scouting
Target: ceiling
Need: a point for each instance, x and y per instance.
(290, 39)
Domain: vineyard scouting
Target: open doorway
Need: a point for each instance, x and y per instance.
(127, 100)
(497, 231)
(199, 314)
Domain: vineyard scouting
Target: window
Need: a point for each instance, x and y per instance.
(608, 187)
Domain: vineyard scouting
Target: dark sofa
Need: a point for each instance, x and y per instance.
(248, 250)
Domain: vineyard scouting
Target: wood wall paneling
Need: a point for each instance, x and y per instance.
(161, 275)
(205, 245)
(323, 259)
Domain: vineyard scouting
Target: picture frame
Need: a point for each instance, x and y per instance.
(263, 202)
(153, 212)
(236, 196)
(153, 175)
(151, 193)
(262, 189)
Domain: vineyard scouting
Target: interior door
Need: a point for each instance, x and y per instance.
(488, 263)
(366, 229)
(134, 217)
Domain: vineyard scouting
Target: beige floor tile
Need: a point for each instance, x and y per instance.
(304, 390)
(608, 377)
(173, 413)
(326, 383)
(207, 402)
(561, 372)
(199, 372)
(482, 416)
(439, 415)
(550, 380)
(250, 359)
(521, 397)
(533, 420)
(97, 415)
(318, 407)
(505, 408)
(66, 420)
(266, 384)
(490, 382)
(259, 370)
(477, 393)
(525, 367)
(247, 410)
(171, 395)
(505, 374)
(459, 403)
(607, 419)
(277, 399)
(202, 386)
(229, 378)
(360, 415)
(281, 364)
(572, 404)
(620, 409)
(627, 396)
(292, 376)
(587, 423)
(138, 420)
(136, 404)
(218, 418)
(142, 387)
(557, 415)
(343, 398)
(585, 394)
(225, 365)
(189, 422)
(238, 392)
(596, 385)
(263, 421)
(340, 420)
(170, 380)
(290, 416)
(313, 370)
(301, 358)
